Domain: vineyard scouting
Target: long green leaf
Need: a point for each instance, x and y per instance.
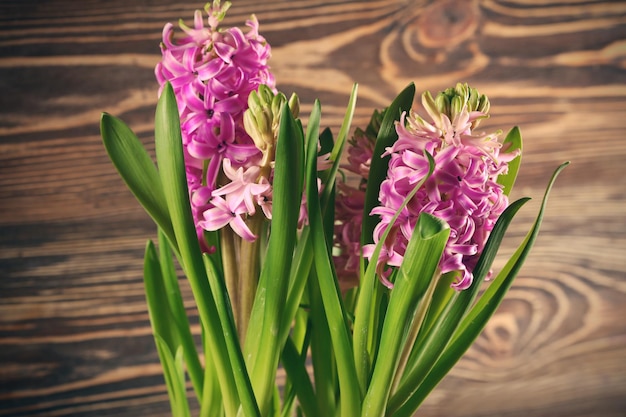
(378, 170)
(161, 318)
(172, 171)
(225, 312)
(181, 394)
(322, 357)
(212, 401)
(414, 277)
(368, 304)
(369, 295)
(335, 155)
(295, 367)
(475, 321)
(433, 340)
(512, 143)
(303, 256)
(300, 340)
(174, 375)
(331, 297)
(179, 315)
(137, 170)
(165, 331)
(262, 347)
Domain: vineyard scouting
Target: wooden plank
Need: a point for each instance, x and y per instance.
(74, 332)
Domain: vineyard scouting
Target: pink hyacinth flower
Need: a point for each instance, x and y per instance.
(462, 190)
(212, 71)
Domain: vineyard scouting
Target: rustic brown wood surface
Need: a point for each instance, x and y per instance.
(74, 332)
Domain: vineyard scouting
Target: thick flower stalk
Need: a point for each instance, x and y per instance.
(463, 189)
(212, 71)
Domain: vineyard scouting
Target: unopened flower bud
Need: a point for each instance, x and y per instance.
(483, 104)
(457, 105)
(462, 98)
(431, 106)
(294, 105)
(443, 103)
(258, 118)
(262, 119)
(472, 100)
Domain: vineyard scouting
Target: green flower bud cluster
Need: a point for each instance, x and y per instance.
(454, 100)
(262, 119)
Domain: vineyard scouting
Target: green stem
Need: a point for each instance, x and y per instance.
(249, 269)
(231, 268)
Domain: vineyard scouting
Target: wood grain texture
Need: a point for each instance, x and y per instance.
(74, 332)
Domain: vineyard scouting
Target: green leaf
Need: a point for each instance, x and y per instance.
(225, 312)
(174, 375)
(173, 177)
(212, 400)
(294, 365)
(262, 348)
(161, 318)
(369, 297)
(433, 339)
(303, 256)
(477, 318)
(368, 303)
(137, 170)
(512, 143)
(418, 269)
(179, 315)
(474, 322)
(378, 170)
(322, 357)
(328, 177)
(300, 341)
(331, 297)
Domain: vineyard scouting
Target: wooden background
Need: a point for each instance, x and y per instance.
(74, 332)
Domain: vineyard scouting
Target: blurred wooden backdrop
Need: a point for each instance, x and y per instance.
(74, 333)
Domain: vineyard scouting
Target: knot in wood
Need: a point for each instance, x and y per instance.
(447, 23)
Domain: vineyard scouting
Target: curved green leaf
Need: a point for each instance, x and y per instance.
(171, 300)
(471, 326)
(367, 307)
(512, 143)
(174, 375)
(330, 294)
(433, 339)
(378, 170)
(137, 170)
(171, 164)
(225, 313)
(262, 346)
(414, 277)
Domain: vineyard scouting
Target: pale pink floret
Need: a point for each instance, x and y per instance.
(225, 212)
(233, 202)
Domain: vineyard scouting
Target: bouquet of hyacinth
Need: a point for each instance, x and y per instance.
(360, 277)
